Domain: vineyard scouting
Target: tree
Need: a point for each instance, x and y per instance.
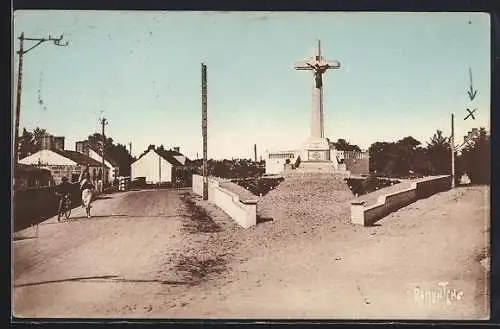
(407, 151)
(343, 145)
(475, 159)
(398, 159)
(117, 152)
(30, 142)
(37, 136)
(439, 153)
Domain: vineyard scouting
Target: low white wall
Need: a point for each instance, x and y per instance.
(244, 213)
(367, 215)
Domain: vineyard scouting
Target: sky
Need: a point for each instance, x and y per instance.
(402, 74)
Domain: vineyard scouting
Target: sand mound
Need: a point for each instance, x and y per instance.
(303, 208)
(321, 198)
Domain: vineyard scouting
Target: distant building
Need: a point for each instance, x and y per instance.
(278, 162)
(357, 163)
(159, 166)
(354, 162)
(32, 177)
(468, 140)
(60, 162)
(112, 166)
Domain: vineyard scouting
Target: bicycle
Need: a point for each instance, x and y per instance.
(64, 207)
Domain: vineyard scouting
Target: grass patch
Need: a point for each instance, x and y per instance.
(200, 220)
(196, 268)
(258, 185)
(367, 185)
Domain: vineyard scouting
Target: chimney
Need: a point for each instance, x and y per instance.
(177, 149)
(475, 131)
(47, 142)
(59, 143)
(82, 147)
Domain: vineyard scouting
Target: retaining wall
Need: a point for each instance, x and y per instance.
(34, 205)
(368, 215)
(244, 212)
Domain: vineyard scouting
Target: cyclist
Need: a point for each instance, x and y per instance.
(63, 190)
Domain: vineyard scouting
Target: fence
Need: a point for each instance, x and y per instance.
(391, 202)
(123, 183)
(244, 212)
(34, 205)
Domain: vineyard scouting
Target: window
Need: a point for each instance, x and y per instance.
(74, 178)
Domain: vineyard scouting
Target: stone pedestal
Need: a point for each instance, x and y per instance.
(315, 149)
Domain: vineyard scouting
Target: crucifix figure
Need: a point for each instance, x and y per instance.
(318, 65)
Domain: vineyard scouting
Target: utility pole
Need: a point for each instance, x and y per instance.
(130, 148)
(204, 127)
(255, 152)
(104, 122)
(452, 147)
(21, 52)
(159, 170)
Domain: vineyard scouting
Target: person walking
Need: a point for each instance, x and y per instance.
(87, 188)
(83, 173)
(100, 180)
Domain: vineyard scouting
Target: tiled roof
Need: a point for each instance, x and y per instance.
(27, 168)
(107, 158)
(167, 155)
(78, 157)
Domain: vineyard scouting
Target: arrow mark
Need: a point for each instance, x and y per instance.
(472, 92)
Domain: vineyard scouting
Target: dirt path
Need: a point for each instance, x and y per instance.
(104, 266)
(358, 272)
(122, 263)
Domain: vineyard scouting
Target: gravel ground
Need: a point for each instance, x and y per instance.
(297, 269)
(299, 197)
(150, 254)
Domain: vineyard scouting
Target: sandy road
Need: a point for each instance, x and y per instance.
(366, 273)
(103, 266)
(121, 264)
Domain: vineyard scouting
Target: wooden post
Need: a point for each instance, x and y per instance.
(452, 147)
(103, 123)
(204, 127)
(159, 170)
(18, 99)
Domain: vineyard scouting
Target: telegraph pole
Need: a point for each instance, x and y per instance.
(255, 152)
(204, 127)
(130, 148)
(104, 122)
(452, 147)
(21, 52)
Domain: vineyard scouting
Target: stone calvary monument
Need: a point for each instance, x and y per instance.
(317, 147)
(316, 153)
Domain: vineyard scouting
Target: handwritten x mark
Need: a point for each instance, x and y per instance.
(471, 114)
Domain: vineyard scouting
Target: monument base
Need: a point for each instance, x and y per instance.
(316, 149)
(317, 156)
(319, 166)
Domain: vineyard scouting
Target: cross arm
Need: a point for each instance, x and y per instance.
(302, 65)
(332, 64)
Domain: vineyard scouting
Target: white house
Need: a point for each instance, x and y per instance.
(157, 166)
(60, 162)
(276, 161)
(112, 166)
